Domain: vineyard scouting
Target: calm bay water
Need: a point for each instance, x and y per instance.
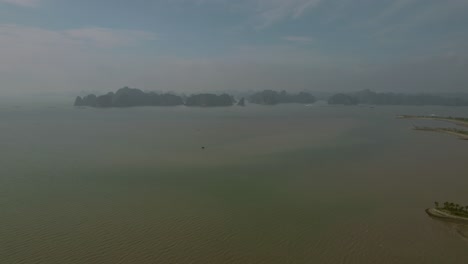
(283, 184)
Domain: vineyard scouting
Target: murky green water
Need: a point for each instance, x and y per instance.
(283, 184)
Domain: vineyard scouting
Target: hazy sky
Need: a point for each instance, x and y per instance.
(203, 45)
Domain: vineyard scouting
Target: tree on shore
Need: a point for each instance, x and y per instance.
(453, 208)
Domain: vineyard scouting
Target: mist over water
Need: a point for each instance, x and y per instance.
(282, 184)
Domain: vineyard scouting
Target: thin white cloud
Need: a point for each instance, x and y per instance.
(438, 11)
(397, 17)
(265, 13)
(104, 37)
(92, 37)
(299, 39)
(269, 12)
(428, 14)
(52, 59)
(394, 8)
(23, 3)
(303, 6)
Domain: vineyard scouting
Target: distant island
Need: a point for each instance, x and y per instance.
(128, 97)
(270, 97)
(372, 98)
(449, 211)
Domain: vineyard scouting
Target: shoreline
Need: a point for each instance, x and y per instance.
(459, 121)
(454, 120)
(462, 135)
(434, 212)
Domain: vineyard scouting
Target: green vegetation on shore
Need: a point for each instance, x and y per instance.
(453, 209)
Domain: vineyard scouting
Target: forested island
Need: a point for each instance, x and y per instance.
(270, 97)
(209, 100)
(449, 211)
(128, 97)
(372, 98)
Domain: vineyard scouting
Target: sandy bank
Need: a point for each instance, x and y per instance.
(446, 216)
(461, 134)
(456, 121)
